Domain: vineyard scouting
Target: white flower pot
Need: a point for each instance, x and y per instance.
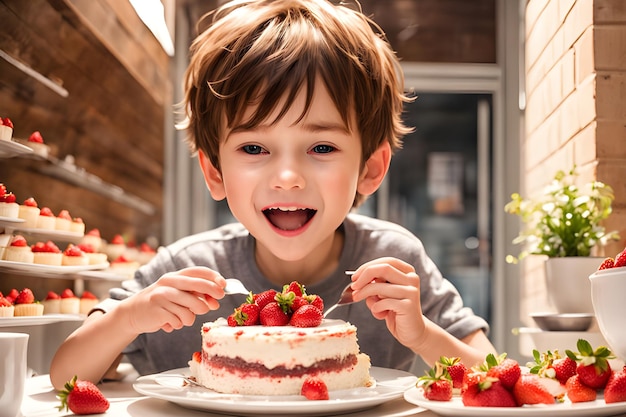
(567, 283)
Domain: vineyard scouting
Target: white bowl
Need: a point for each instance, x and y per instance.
(566, 322)
(608, 295)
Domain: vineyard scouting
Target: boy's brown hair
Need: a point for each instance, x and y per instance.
(258, 52)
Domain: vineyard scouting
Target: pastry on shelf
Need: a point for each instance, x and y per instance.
(52, 303)
(36, 143)
(29, 212)
(95, 258)
(6, 129)
(63, 221)
(6, 307)
(8, 206)
(115, 248)
(77, 226)
(94, 239)
(19, 251)
(87, 302)
(12, 295)
(74, 256)
(47, 253)
(70, 304)
(25, 304)
(123, 266)
(46, 219)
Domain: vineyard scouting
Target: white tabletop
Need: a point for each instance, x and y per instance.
(40, 401)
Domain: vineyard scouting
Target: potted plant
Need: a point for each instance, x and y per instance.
(564, 224)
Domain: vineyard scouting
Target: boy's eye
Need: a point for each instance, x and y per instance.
(323, 149)
(252, 149)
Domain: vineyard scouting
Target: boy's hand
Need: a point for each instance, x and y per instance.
(174, 300)
(391, 290)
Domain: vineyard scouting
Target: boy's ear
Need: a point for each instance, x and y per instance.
(375, 169)
(212, 177)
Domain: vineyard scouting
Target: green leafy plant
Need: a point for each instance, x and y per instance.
(564, 220)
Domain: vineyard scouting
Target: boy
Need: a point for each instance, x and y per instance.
(293, 107)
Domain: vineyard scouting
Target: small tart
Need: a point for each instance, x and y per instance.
(19, 251)
(6, 129)
(47, 253)
(94, 239)
(74, 256)
(46, 219)
(63, 221)
(87, 302)
(77, 226)
(6, 307)
(70, 304)
(34, 309)
(8, 206)
(29, 212)
(52, 303)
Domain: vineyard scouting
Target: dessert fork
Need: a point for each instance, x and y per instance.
(344, 298)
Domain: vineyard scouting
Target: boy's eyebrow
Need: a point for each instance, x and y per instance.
(312, 127)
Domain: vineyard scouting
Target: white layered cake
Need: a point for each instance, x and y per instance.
(276, 360)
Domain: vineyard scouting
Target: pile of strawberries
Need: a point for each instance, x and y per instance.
(618, 261)
(501, 382)
(292, 306)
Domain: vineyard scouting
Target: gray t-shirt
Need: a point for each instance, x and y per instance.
(230, 251)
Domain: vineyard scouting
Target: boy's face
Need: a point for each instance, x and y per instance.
(291, 183)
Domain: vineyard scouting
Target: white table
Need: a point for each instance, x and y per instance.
(40, 401)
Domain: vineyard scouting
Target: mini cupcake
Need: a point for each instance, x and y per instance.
(63, 221)
(95, 258)
(70, 304)
(146, 253)
(6, 129)
(52, 303)
(94, 239)
(19, 251)
(87, 302)
(124, 267)
(8, 206)
(25, 304)
(47, 253)
(6, 307)
(46, 219)
(74, 256)
(115, 248)
(77, 226)
(29, 212)
(36, 143)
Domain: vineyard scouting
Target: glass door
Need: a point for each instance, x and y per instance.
(439, 188)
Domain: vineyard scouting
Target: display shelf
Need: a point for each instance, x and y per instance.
(10, 149)
(39, 320)
(43, 234)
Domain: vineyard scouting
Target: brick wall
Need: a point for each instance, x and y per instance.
(576, 109)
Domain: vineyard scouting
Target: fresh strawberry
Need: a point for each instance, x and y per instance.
(314, 389)
(263, 298)
(615, 389)
(505, 369)
(593, 366)
(316, 300)
(8, 122)
(244, 315)
(25, 297)
(529, 390)
(197, 356)
(307, 316)
(295, 287)
(273, 315)
(298, 302)
(620, 259)
(8, 198)
(82, 397)
(577, 392)
(436, 383)
(12, 295)
(67, 293)
(608, 263)
(456, 369)
(487, 392)
(564, 369)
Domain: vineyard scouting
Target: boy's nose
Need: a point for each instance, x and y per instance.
(288, 175)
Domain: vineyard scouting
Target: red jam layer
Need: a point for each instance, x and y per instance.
(237, 365)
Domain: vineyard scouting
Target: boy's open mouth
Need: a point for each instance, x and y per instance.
(289, 218)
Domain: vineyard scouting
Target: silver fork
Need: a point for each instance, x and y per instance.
(345, 297)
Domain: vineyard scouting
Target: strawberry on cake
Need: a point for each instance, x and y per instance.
(52, 303)
(275, 344)
(8, 206)
(94, 239)
(74, 256)
(70, 304)
(46, 219)
(47, 253)
(6, 307)
(6, 129)
(77, 226)
(115, 248)
(25, 304)
(19, 251)
(36, 143)
(29, 212)
(95, 258)
(63, 221)
(88, 301)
